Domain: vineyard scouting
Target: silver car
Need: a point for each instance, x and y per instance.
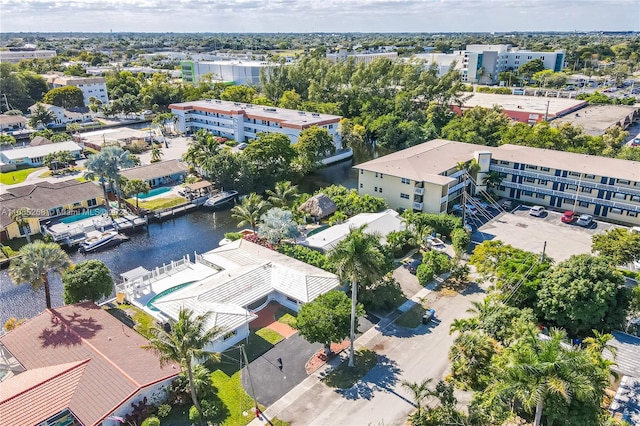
(585, 220)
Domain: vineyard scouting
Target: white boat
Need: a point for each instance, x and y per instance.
(97, 240)
(221, 199)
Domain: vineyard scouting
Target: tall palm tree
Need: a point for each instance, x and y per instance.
(40, 116)
(492, 179)
(106, 165)
(201, 150)
(137, 187)
(357, 258)
(534, 370)
(36, 260)
(20, 217)
(248, 212)
(599, 343)
(419, 391)
(184, 343)
(284, 194)
(156, 153)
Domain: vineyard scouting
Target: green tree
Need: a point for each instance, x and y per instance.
(357, 258)
(7, 140)
(270, 156)
(326, 319)
(249, 211)
(528, 69)
(20, 217)
(88, 280)
(36, 261)
(65, 97)
(419, 391)
(583, 293)
(120, 83)
(202, 149)
(283, 195)
(40, 116)
(185, 343)
(460, 239)
(239, 93)
(620, 245)
(482, 126)
(290, 100)
(106, 165)
(14, 88)
(156, 153)
(471, 355)
(35, 85)
(313, 144)
(136, 187)
(276, 225)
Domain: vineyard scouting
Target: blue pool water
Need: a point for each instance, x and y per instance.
(91, 213)
(154, 191)
(164, 293)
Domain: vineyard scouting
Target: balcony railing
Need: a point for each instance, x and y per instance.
(418, 191)
(418, 206)
(571, 181)
(583, 198)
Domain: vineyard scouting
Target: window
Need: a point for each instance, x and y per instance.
(361, 171)
(543, 182)
(527, 193)
(406, 181)
(504, 162)
(635, 198)
(381, 175)
(531, 167)
(381, 190)
(619, 196)
(632, 214)
(589, 176)
(375, 189)
(623, 182)
(404, 196)
(331, 126)
(529, 180)
(587, 190)
(542, 196)
(574, 174)
(376, 174)
(583, 204)
(544, 169)
(571, 187)
(361, 185)
(615, 211)
(502, 188)
(230, 335)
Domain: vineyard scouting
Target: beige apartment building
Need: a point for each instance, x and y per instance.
(427, 178)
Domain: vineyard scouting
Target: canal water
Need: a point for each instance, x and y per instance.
(199, 231)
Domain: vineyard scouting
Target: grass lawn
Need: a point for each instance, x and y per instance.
(17, 176)
(269, 335)
(344, 376)
(134, 317)
(412, 318)
(286, 316)
(159, 203)
(232, 394)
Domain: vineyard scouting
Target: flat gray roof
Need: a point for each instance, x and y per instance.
(595, 119)
(40, 150)
(425, 162)
(532, 104)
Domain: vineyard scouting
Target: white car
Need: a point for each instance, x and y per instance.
(478, 202)
(242, 145)
(585, 220)
(537, 211)
(470, 210)
(436, 244)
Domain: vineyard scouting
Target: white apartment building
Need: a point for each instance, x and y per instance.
(15, 56)
(366, 58)
(91, 86)
(243, 122)
(236, 71)
(482, 63)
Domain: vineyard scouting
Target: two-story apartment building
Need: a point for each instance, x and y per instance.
(427, 178)
(243, 122)
(95, 87)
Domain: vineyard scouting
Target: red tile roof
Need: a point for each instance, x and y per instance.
(117, 368)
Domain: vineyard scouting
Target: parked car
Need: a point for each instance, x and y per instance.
(413, 265)
(428, 316)
(436, 244)
(470, 209)
(537, 211)
(242, 145)
(569, 216)
(481, 203)
(585, 220)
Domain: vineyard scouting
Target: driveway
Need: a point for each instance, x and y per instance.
(379, 397)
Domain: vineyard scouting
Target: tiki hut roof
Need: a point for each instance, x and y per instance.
(319, 206)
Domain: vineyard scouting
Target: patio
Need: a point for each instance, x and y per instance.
(267, 319)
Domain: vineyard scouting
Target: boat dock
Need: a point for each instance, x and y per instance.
(74, 234)
(173, 211)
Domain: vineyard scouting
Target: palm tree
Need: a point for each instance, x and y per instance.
(156, 153)
(36, 260)
(357, 258)
(492, 179)
(201, 150)
(483, 308)
(461, 325)
(249, 211)
(106, 165)
(599, 343)
(137, 187)
(184, 343)
(20, 216)
(419, 391)
(534, 370)
(284, 194)
(40, 116)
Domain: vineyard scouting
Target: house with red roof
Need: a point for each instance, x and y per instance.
(76, 365)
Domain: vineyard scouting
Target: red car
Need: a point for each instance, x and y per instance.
(569, 217)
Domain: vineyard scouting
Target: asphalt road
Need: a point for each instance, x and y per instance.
(379, 397)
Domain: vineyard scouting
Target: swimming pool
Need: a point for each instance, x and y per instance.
(164, 293)
(91, 213)
(154, 191)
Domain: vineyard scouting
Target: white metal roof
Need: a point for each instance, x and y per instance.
(40, 150)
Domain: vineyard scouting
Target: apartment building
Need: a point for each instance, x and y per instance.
(364, 57)
(15, 56)
(426, 178)
(243, 122)
(234, 71)
(91, 86)
(482, 63)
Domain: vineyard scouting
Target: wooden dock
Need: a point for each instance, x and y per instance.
(174, 211)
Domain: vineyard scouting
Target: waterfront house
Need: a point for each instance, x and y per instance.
(33, 155)
(379, 224)
(44, 201)
(77, 365)
(162, 173)
(233, 282)
(12, 123)
(426, 178)
(63, 116)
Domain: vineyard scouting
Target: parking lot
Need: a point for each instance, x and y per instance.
(526, 232)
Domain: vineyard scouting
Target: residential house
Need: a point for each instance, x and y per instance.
(426, 178)
(162, 173)
(44, 201)
(380, 224)
(243, 122)
(63, 116)
(12, 123)
(120, 136)
(77, 365)
(33, 156)
(232, 282)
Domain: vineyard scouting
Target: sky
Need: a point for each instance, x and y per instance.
(243, 16)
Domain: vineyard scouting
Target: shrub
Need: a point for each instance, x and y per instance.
(384, 295)
(460, 239)
(437, 261)
(232, 236)
(164, 410)
(136, 147)
(424, 273)
(151, 421)
(194, 415)
(306, 255)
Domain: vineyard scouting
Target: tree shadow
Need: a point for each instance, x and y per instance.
(381, 378)
(69, 330)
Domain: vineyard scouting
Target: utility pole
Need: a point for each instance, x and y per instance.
(544, 249)
(253, 391)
